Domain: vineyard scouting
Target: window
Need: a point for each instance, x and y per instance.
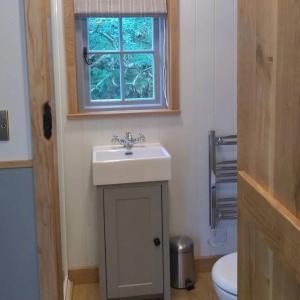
(121, 63)
(122, 57)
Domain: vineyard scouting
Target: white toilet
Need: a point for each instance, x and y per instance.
(224, 276)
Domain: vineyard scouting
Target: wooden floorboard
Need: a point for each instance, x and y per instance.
(86, 292)
(203, 291)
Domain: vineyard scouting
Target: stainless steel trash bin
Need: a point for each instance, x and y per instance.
(182, 262)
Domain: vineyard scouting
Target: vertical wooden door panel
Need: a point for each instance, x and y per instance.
(269, 149)
(37, 14)
(256, 80)
(287, 141)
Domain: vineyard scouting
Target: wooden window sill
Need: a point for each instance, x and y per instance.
(104, 114)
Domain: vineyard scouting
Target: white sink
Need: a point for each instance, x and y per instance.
(148, 162)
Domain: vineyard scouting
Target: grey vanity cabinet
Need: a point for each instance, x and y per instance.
(134, 235)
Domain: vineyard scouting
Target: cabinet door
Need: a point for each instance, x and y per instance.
(133, 233)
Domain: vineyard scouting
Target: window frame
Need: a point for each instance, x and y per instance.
(172, 71)
(159, 101)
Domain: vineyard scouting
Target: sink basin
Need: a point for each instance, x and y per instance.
(148, 162)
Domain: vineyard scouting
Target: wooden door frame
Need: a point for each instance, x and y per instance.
(44, 151)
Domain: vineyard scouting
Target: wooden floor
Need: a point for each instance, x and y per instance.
(203, 291)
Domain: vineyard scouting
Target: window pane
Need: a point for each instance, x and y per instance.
(105, 78)
(103, 34)
(137, 33)
(139, 76)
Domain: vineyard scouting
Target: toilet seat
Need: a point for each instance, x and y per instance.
(224, 273)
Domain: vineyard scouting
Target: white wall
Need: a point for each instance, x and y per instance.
(208, 101)
(18, 250)
(13, 81)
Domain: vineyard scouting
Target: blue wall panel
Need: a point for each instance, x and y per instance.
(18, 251)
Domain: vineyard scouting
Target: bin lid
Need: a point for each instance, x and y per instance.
(181, 244)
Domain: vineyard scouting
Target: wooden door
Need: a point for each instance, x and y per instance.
(37, 17)
(269, 149)
(134, 241)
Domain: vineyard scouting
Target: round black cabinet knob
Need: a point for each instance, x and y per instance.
(157, 242)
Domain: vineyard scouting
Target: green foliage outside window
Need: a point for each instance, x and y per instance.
(129, 42)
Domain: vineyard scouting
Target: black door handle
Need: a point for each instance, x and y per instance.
(157, 242)
(47, 121)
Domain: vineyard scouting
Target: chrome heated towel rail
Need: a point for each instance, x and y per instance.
(221, 172)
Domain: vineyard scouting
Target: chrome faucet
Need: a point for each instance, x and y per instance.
(129, 141)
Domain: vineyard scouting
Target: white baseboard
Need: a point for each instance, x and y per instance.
(65, 287)
(68, 289)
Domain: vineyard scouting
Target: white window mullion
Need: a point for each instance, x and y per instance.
(122, 71)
